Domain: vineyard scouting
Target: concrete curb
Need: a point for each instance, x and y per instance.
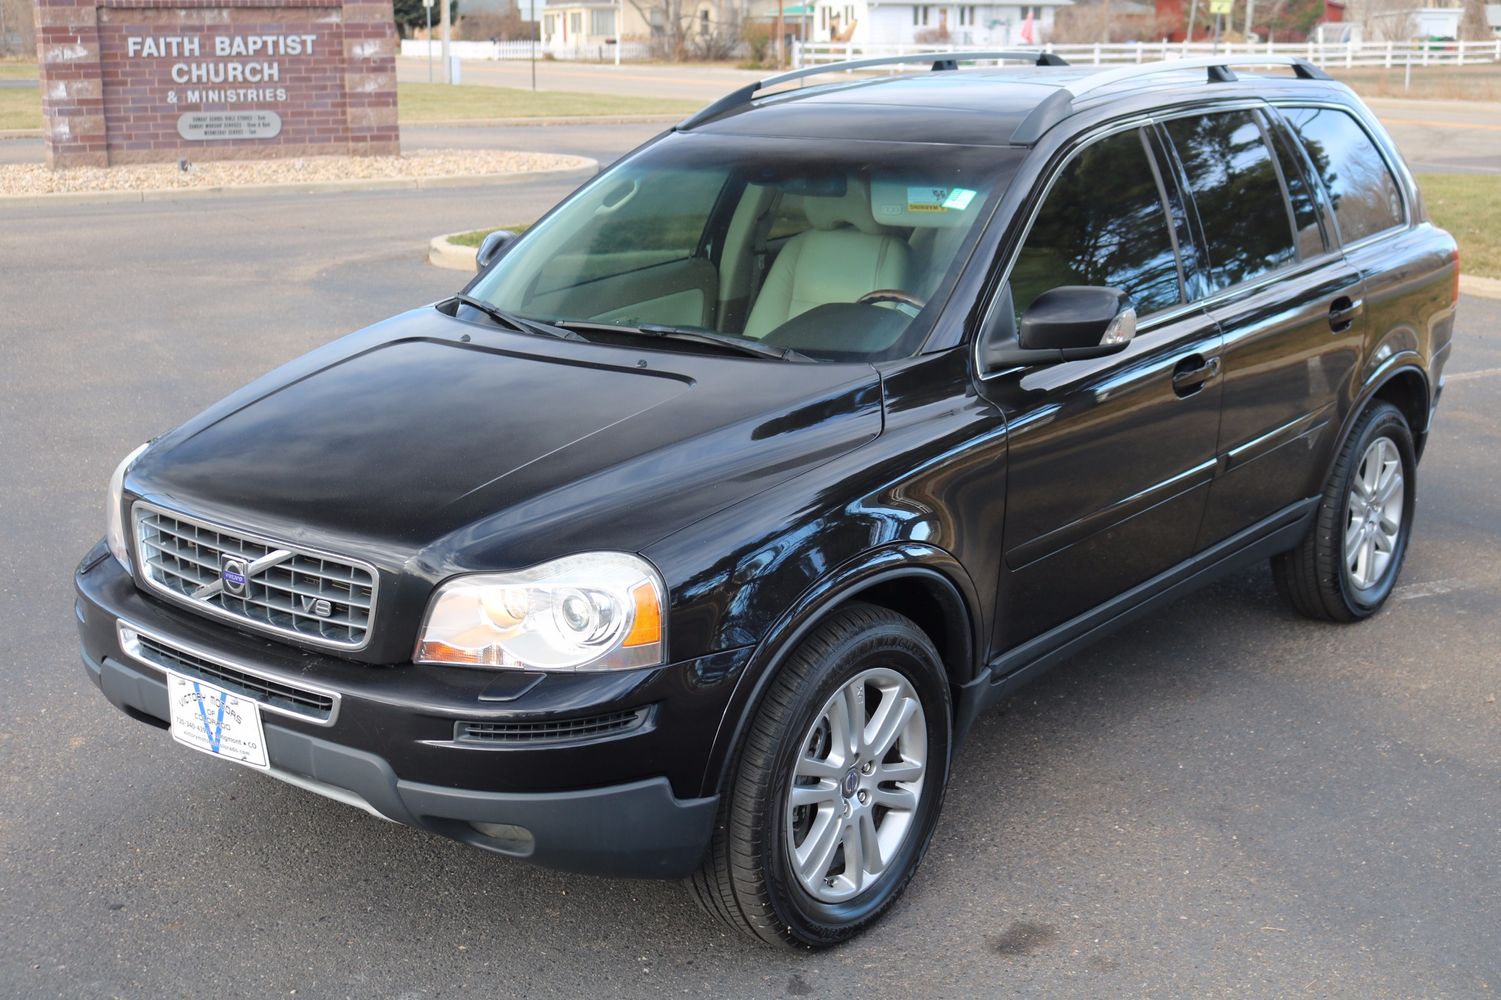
(580, 172)
(1485, 288)
(20, 133)
(441, 253)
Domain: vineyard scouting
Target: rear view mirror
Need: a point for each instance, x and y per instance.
(1078, 321)
(1068, 323)
(491, 247)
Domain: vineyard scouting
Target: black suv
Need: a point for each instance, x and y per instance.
(691, 537)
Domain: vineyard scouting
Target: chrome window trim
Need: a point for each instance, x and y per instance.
(1145, 325)
(250, 623)
(1399, 173)
(132, 649)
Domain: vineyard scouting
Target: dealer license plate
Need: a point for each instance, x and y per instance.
(216, 722)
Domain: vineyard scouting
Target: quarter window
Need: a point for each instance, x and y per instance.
(1361, 187)
(1104, 223)
(1244, 214)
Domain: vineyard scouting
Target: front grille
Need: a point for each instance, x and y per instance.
(293, 591)
(285, 698)
(554, 731)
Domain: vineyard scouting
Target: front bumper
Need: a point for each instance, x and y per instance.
(625, 805)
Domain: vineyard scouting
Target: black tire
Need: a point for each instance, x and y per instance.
(1314, 576)
(747, 880)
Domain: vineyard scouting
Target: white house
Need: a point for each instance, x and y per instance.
(873, 22)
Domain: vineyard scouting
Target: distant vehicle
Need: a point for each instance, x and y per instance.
(692, 536)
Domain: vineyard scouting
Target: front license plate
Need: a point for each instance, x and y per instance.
(216, 722)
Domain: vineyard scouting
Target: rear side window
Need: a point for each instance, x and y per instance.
(1300, 196)
(1236, 187)
(1104, 223)
(1361, 187)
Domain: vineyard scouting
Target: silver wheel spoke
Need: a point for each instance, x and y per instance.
(902, 770)
(827, 770)
(893, 714)
(817, 854)
(895, 798)
(814, 795)
(854, 855)
(871, 858)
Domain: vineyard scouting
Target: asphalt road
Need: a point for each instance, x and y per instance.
(1223, 800)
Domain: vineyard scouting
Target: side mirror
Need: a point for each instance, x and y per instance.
(490, 248)
(1068, 323)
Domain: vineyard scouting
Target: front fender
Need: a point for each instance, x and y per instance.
(904, 561)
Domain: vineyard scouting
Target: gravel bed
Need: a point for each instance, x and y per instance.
(34, 179)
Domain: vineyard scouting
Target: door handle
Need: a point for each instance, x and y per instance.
(1342, 313)
(1192, 372)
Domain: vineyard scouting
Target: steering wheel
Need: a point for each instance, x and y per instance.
(891, 295)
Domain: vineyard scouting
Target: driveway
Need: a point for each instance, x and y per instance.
(1221, 801)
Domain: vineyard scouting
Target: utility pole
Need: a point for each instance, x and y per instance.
(781, 37)
(1193, 18)
(427, 5)
(1250, 17)
(619, 23)
(447, 11)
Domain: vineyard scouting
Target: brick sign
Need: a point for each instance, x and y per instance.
(136, 81)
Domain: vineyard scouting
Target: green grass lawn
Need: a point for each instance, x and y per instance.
(430, 102)
(425, 102)
(17, 69)
(477, 237)
(20, 107)
(1469, 206)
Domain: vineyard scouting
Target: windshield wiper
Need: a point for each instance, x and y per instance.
(743, 345)
(514, 321)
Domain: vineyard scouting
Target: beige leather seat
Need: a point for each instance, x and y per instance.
(844, 256)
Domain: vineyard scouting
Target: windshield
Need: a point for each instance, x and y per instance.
(835, 251)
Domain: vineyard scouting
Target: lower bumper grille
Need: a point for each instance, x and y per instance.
(552, 731)
(275, 696)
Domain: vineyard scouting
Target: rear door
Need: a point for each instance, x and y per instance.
(1287, 303)
(1109, 460)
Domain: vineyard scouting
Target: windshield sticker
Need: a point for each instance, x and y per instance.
(959, 199)
(938, 199)
(926, 199)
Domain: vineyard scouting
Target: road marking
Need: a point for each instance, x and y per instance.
(1429, 123)
(1413, 591)
(1467, 376)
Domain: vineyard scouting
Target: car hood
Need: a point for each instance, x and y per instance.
(436, 445)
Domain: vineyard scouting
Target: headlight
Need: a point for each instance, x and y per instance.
(114, 516)
(596, 611)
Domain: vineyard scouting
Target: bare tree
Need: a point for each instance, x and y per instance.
(1473, 26)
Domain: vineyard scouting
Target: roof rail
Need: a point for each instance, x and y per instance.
(941, 61)
(1060, 104)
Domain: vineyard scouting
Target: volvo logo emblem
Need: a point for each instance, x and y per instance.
(851, 782)
(232, 573)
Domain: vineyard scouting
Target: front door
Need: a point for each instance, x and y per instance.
(1109, 461)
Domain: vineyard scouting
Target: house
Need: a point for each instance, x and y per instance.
(873, 22)
(574, 25)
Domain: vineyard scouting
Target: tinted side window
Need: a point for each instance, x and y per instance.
(1104, 223)
(1310, 236)
(1363, 191)
(1247, 229)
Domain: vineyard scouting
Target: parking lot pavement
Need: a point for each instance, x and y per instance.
(1221, 801)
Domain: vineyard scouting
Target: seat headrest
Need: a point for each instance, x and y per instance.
(851, 208)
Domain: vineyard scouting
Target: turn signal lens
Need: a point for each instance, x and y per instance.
(114, 513)
(596, 611)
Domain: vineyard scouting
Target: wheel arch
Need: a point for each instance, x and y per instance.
(1401, 382)
(922, 582)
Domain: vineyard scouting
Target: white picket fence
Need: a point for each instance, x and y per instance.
(1387, 54)
(418, 48)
